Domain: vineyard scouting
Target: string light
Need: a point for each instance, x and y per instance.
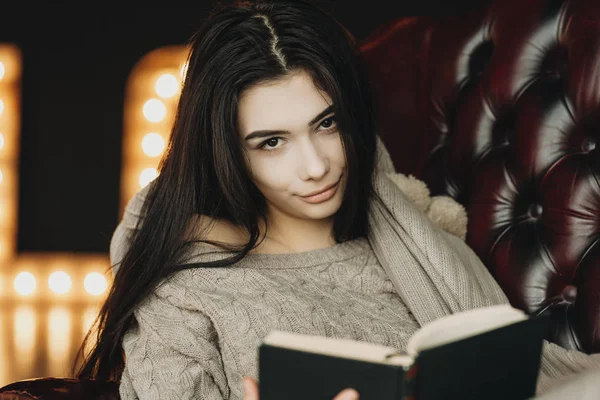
(154, 110)
(166, 86)
(95, 283)
(60, 282)
(153, 95)
(25, 283)
(153, 144)
(2, 70)
(147, 176)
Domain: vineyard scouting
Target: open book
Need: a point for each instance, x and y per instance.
(484, 353)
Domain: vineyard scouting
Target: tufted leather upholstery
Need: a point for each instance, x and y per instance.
(504, 107)
(501, 110)
(60, 389)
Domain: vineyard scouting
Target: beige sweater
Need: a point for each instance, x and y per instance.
(197, 335)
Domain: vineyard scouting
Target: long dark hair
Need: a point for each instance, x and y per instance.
(239, 45)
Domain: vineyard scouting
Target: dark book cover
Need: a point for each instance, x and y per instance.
(499, 364)
(298, 375)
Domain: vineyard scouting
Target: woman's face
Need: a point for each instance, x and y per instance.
(303, 155)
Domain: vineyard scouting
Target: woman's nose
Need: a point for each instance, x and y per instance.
(312, 160)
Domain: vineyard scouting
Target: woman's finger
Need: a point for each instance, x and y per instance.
(250, 389)
(347, 394)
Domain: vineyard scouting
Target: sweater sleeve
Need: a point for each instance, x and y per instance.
(559, 365)
(123, 233)
(133, 219)
(171, 353)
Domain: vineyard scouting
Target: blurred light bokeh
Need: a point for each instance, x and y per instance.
(50, 301)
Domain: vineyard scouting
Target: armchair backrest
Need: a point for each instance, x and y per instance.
(500, 109)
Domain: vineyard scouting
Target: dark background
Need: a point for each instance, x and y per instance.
(76, 63)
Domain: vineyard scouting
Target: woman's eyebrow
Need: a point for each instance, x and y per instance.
(263, 133)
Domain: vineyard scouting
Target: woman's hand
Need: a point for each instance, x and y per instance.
(251, 391)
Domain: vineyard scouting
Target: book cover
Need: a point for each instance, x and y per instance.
(297, 375)
(500, 363)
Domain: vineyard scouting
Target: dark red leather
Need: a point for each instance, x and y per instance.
(501, 110)
(60, 389)
(393, 53)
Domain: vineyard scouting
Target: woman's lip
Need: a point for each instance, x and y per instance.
(323, 196)
(322, 191)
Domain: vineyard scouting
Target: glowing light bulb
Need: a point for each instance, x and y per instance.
(154, 110)
(95, 283)
(60, 282)
(2, 70)
(25, 283)
(1, 107)
(1, 141)
(153, 144)
(1, 176)
(147, 176)
(166, 86)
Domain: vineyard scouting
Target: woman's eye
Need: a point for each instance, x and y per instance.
(271, 142)
(330, 119)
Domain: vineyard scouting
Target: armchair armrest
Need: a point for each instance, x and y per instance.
(60, 388)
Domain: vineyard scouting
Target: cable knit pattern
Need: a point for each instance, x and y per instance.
(199, 333)
(171, 354)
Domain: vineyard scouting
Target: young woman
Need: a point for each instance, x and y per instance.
(274, 209)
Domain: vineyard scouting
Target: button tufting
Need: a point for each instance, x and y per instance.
(588, 145)
(569, 293)
(535, 210)
(480, 58)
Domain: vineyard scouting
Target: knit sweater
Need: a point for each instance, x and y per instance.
(180, 346)
(198, 334)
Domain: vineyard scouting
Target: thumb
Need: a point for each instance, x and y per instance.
(347, 394)
(250, 388)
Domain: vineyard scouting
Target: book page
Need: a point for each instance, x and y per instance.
(462, 325)
(345, 348)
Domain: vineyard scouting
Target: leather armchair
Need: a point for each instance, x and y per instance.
(61, 389)
(499, 109)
